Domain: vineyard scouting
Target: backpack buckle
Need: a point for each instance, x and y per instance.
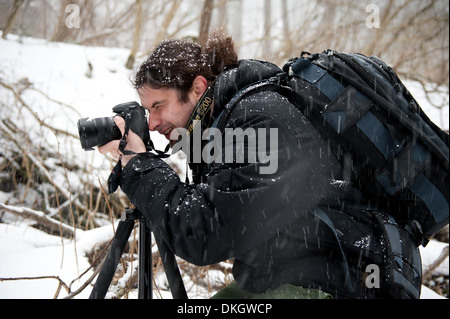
(281, 78)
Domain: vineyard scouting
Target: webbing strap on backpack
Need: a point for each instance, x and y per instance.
(401, 274)
(403, 266)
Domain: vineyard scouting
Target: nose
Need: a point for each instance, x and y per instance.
(153, 122)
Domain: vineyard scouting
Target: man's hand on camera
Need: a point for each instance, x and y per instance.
(134, 143)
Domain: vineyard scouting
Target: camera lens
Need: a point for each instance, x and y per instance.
(97, 132)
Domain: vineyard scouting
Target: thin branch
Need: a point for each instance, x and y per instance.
(19, 98)
(55, 101)
(39, 217)
(72, 216)
(84, 285)
(429, 271)
(61, 282)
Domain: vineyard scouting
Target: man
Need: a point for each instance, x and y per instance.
(287, 228)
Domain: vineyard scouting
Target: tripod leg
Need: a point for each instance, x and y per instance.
(109, 266)
(145, 269)
(172, 271)
(145, 265)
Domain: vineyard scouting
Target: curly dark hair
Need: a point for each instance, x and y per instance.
(176, 63)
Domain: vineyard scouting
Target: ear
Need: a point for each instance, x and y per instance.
(199, 87)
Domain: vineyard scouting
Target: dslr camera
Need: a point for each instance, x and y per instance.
(99, 131)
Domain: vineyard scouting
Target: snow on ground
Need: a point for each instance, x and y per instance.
(58, 70)
(27, 252)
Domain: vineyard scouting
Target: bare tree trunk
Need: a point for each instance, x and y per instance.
(205, 21)
(61, 31)
(136, 35)
(267, 23)
(223, 16)
(167, 20)
(12, 17)
(286, 28)
(386, 17)
(236, 20)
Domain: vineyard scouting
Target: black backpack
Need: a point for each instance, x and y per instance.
(387, 145)
(398, 156)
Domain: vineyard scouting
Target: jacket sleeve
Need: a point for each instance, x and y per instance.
(238, 207)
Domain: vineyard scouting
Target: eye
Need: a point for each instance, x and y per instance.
(157, 105)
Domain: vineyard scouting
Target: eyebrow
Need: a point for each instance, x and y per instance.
(157, 102)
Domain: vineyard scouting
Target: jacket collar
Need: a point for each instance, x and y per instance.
(234, 80)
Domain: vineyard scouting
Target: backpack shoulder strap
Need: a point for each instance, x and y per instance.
(270, 84)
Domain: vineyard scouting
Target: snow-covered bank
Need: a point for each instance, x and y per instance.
(27, 252)
(30, 253)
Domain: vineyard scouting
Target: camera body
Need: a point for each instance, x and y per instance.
(99, 131)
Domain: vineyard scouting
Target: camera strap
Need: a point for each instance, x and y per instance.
(201, 111)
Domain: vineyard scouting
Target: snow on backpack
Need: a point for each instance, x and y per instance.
(392, 151)
(387, 145)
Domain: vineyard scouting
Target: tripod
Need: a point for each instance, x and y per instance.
(145, 286)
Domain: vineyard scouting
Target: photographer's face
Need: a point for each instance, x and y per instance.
(166, 111)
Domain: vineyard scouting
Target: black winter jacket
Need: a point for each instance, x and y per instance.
(263, 221)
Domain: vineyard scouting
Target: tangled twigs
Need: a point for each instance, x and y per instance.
(39, 217)
(17, 94)
(429, 271)
(61, 282)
